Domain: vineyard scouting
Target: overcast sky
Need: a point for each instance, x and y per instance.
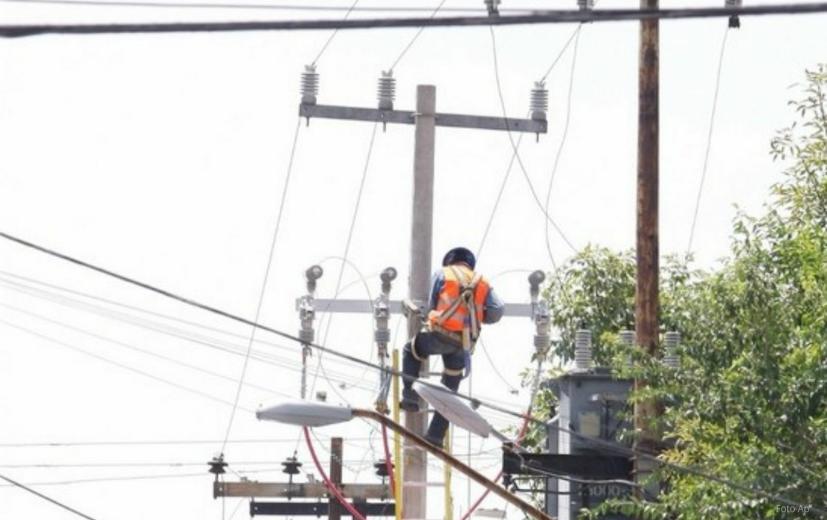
(163, 157)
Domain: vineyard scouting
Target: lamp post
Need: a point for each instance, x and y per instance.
(310, 414)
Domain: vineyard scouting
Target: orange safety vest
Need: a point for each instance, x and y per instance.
(460, 305)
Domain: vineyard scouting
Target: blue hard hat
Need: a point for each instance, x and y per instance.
(460, 255)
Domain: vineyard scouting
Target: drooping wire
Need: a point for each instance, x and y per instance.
(263, 290)
(239, 319)
(346, 253)
(712, 114)
(563, 138)
(333, 34)
(415, 37)
(517, 148)
(44, 497)
(522, 166)
(122, 365)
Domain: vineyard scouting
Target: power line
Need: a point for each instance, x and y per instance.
(523, 169)
(333, 34)
(563, 138)
(708, 141)
(263, 290)
(181, 442)
(44, 497)
(239, 319)
(537, 17)
(261, 6)
(212, 343)
(121, 365)
(415, 37)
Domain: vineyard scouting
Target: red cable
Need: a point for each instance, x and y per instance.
(330, 485)
(389, 464)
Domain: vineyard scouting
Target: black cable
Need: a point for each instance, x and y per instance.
(239, 319)
(537, 17)
(262, 6)
(44, 497)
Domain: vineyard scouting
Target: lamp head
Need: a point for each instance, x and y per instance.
(305, 413)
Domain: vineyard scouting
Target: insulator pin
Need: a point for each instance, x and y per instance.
(585, 5)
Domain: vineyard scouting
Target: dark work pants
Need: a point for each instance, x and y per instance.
(431, 344)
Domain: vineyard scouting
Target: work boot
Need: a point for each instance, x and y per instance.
(410, 400)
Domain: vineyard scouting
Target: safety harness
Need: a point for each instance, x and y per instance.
(467, 300)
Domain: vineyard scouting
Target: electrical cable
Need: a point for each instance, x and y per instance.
(263, 290)
(536, 17)
(121, 365)
(262, 6)
(44, 497)
(222, 346)
(415, 37)
(708, 141)
(514, 145)
(333, 35)
(141, 350)
(129, 478)
(563, 139)
(239, 319)
(334, 490)
(517, 148)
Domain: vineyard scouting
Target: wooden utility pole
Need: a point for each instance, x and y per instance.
(415, 469)
(335, 511)
(646, 295)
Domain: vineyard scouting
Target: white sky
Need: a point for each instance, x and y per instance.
(163, 157)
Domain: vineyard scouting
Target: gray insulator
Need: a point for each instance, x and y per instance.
(310, 85)
(671, 342)
(493, 7)
(542, 342)
(539, 101)
(382, 335)
(585, 5)
(734, 3)
(306, 335)
(583, 349)
(386, 91)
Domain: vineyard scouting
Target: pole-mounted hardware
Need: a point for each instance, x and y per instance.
(493, 7)
(540, 315)
(309, 86)
(585, 5)
(734, 20)
(217, 466)
(291, 467)
(307, 313)
(382, 336)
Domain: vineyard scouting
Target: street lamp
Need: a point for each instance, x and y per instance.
(457, 411)
(309, 414)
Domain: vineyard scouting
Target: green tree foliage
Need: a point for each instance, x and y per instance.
(749, 403)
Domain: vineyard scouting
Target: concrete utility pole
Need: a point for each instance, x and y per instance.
(646, 295)
(414, 495)
(426, 119)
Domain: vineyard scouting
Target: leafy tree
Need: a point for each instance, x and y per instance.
(749, 403)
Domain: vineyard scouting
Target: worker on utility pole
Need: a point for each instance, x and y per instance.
(461, 301)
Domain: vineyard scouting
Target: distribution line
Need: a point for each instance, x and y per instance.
(708, 141)
(264, 6)
(121, 365)
(516, 149)
(563, 138)
(215, 344)
(523, 169)
(182, 442)
(239, 319)
(44, 497)
(536, 17)
(415, 37)
(263, 290)
(141, 350)
(129, 478)
(333, 34)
